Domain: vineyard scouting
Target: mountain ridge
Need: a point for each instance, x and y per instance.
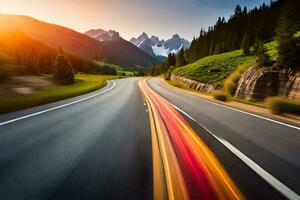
(160, 48)
(77, 43)
(120, 47)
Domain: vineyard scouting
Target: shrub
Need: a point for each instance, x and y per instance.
(279, 105)
(219, 95)
(229, 86)
(231, 82)
(63, 69)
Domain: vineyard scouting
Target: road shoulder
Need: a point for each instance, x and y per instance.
(263, 112)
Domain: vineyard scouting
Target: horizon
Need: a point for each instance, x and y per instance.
(82, 17)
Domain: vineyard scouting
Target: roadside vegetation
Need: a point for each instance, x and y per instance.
(83, 83)
(279, 105)
(232, 80)
(220, 95)
(32, 73)
(66, 74)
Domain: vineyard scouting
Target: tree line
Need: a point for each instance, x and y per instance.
(28, 56)
(242, 30)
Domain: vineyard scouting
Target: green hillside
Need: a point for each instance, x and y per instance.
(214, 69)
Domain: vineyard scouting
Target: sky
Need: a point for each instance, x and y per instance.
(162, 18)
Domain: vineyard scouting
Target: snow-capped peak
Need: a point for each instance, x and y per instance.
(157, 48)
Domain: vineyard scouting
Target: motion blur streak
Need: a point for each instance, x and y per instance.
(190, 169)
(160, 191)
(171, 175)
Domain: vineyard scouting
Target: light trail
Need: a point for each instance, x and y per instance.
(190, 169)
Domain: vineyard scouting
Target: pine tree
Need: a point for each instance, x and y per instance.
(63, 69)
(237, 11)
(289, 24)
(180, 59)
(246, 44)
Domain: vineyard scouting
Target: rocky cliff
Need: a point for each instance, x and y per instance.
(261, 83)
(188, 83)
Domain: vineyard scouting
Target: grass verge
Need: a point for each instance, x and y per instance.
(83, 84)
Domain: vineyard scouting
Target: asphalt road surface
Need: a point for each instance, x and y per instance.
(272, 146)
(99, 148)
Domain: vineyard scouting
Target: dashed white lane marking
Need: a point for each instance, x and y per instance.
(57, 107)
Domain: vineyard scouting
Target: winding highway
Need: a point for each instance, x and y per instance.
(141, 139)
(99, 148)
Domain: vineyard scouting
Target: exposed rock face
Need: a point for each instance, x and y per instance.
(265, 82)
(295, 88)
(188, 83)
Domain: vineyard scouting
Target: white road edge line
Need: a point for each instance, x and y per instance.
(58, 107)
(244, 112)
(283, 189)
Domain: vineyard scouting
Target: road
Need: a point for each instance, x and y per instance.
(274, 147)
(112, 144)
(99, 148)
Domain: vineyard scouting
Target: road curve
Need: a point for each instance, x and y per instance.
(273, 147)
(102, 146)
(99, 148)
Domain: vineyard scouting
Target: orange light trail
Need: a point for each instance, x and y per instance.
(183, 165)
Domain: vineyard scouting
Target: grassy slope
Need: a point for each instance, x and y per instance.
(84, 84)
(214, 69)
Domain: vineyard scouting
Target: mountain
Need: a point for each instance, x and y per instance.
(121, 50)
(77, 43)
(160, 48)
(102, 35)
(53, 35)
